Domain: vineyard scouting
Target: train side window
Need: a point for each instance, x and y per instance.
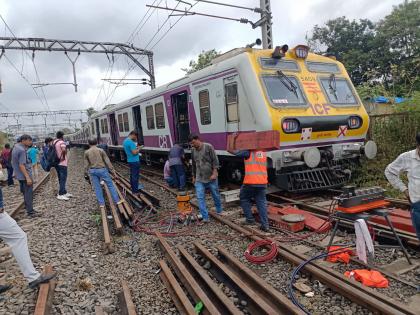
(150, 117)
(93, 128)
(160, 116)
(231, 97)
(204, 103)
(120, 123)
(104, 125)
(126, 123)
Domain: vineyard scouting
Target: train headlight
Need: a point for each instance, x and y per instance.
(301, 51)
(354, 122)
(290, 125)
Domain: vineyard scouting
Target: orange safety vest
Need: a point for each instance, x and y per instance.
(256, 168)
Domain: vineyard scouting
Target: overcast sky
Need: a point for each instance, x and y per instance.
(114, 21)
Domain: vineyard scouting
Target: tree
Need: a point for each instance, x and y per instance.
(204, 59)
(386, 53)
(90, 111)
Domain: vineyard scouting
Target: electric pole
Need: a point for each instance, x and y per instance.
(266, 30)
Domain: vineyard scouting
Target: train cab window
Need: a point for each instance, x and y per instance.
(322, 67)
(231, 97)
(126, 123)
(150, 117)
(279, 64)
(120, 123)
(204, 103)
(160, 116)
(283, 91)
(338, 90)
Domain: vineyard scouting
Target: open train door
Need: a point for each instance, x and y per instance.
(137, 124)
(98, 131)
(113, 129)
(181, 118)
(231, 103)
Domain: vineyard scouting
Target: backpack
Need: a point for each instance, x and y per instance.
(50, 159)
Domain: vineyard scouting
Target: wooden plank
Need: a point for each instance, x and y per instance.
(105, 228)
(180, 299)
(126, 204)
(45, 295)
(99, 310)
(117, 221)
(127, 306)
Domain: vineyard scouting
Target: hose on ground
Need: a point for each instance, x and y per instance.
(261, 259)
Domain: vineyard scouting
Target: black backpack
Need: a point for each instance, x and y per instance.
(52, 157)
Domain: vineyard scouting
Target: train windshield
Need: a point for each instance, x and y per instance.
(283, 90)
(338, 91)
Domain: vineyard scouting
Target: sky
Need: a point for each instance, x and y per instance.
(174, 41)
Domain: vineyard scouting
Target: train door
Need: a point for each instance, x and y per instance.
(98, 132)
(113, 129)
(231, 103)
(137, 124)
(181, 119)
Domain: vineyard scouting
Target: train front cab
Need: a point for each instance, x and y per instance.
(320, 118)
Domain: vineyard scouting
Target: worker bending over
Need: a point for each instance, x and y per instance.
(98, 165)
(254, 185)
(408, 162)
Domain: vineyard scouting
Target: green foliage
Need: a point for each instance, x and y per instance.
(382, 55)
(90, 111)
(97, 218)
(204, 59)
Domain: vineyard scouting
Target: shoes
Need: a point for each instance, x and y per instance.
(68, 195)
(140, 187)
(205, 221)
(41, 279)
(62, 197)
(264, 229)
(247, 222)
(120, 202)
(34, 214)
(4, 288)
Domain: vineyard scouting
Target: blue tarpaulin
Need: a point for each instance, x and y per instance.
(383, 100)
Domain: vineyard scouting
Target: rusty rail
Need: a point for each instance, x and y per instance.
(21, 204)
(127, 306)
(45, 295)
(115, 215)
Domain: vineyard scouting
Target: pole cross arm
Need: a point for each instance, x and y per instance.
(77, 46)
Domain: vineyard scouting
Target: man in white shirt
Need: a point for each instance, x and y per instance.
(408, 162)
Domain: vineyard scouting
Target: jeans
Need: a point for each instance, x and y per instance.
(28, 196)
(200, 190)
(249, 192)
(178, 175)
(98, 174)
(10, 175)
(134, 176)
(169, 181)
(415, 217)
(1, 199)
(62, 178)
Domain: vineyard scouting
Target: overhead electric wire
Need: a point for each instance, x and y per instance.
(155, 44)
(36, 71)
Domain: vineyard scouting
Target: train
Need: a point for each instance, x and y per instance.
(308, 98)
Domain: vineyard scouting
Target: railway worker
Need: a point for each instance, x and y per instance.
(254, 186)
(176, 162)
(22, 167)
(98, 165)
(33, 153)
(204, 170)
(16, 239)
(6, 161)
(62, 153)
(132, 150)
(408, 162)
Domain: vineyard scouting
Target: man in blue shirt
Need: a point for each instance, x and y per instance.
(132, 150)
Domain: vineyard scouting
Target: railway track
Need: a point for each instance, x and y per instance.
(45, 294)
(353, 291)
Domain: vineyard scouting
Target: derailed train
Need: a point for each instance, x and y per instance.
(308, 98)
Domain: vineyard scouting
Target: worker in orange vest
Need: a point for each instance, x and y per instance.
(254, 186)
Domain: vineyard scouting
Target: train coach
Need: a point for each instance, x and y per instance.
(308, 98)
